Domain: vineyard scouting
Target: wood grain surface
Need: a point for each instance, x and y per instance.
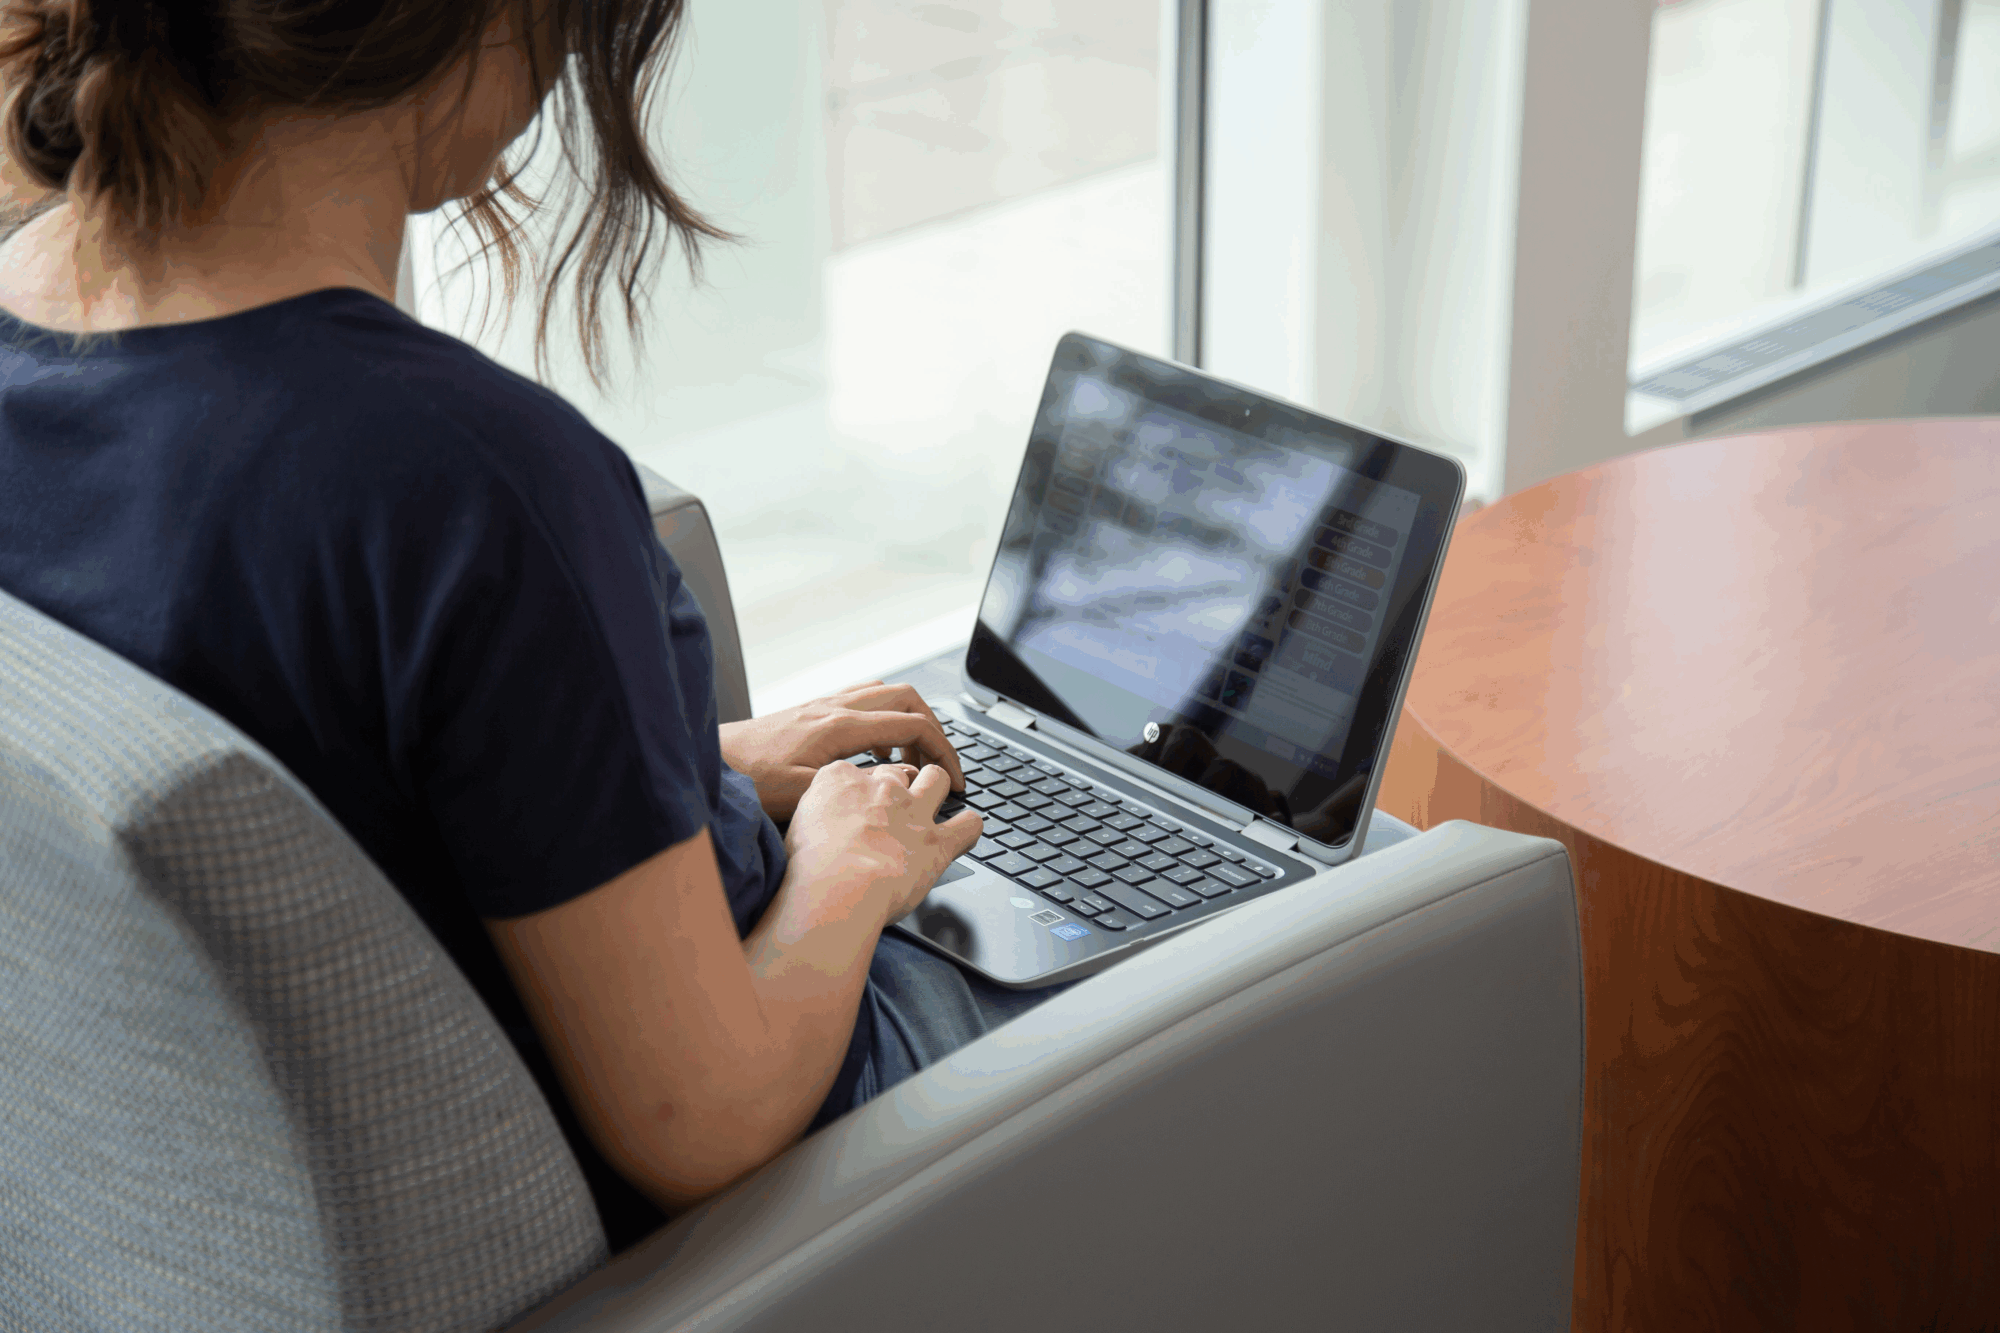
(1754, 685)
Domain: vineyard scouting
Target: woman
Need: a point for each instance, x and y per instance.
(425, 583)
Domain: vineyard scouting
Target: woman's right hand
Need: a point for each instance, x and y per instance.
(869, 836)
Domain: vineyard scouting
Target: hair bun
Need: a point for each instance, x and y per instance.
(125, 105)
(99, 98)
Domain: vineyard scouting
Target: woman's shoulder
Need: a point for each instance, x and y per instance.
(390, 367)
(382, 402)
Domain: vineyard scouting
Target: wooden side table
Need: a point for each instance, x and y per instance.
(1754, 684)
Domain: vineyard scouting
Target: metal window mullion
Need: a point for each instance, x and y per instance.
(1190, 177)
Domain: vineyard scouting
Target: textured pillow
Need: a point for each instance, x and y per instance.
(245, 1088)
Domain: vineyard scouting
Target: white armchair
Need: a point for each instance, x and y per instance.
(247, 1090)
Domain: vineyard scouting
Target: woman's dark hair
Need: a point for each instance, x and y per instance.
(125, 103)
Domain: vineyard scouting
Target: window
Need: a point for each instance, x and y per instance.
(1818, 174)
(929, 195)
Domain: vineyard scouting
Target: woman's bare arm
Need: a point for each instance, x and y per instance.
(694, 1057)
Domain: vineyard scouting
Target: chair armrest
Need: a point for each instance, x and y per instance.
(681, 520)
(1357, 1101)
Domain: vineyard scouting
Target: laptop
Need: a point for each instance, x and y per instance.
(1187, 666)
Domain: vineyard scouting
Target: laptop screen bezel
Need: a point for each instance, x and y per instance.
(1438, 481)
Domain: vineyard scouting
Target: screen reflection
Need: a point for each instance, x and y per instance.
(1174, 557)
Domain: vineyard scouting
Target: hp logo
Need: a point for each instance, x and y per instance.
(1152, 731)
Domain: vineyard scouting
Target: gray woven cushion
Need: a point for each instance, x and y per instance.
(244, 1088)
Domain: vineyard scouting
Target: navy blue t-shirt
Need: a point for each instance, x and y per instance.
(426, 584)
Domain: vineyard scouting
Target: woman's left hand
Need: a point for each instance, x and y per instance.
(781, 751)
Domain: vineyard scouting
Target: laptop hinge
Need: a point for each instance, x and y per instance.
(1274, 836)
(1018, 718)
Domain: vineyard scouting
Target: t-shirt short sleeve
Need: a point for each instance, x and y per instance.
(547, 726)
(542, 676)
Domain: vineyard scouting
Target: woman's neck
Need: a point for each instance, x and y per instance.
(300, 204)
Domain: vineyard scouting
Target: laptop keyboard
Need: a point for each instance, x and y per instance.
(1094, 853)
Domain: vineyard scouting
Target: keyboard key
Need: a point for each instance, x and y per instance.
(1132, 851)
(1081, 824)
(1011, 864)
(982, 799)
(1007, 791)
(1114, 921)
(1090, 878)
(1229, 854)
(1268, 872)
(1010, 812)
(1131, 875)
(1069, 865)
(1230, 874)
(1198, 839)
(1043, 766)
(1058, 893)
(1001, 763)
(1171, 895)
(1034, 824)
(992, 825)
(1108, 862)
(1041, 878)
(1182, 875)
(1152, 833)
(1051, 787)
(1202, 860)
(1040, 851)
(1161, 821)
(1209, 888)
(986, 849)
(1160, 864)
(1082, 784)
(1133, 901)
(1055, 837)
(1014, 840)
(1125, 822)
(1071, 797)
(1099, 810)
(1095, 902)
(1034, 800)
(1105, 837)
(978, 754)
(1176, 846)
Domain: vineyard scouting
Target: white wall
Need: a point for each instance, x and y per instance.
(1422, 218)
(1361, 176)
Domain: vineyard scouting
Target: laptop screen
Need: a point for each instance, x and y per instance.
(1220, 584)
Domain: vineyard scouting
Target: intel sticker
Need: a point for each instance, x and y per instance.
(1069, 931)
